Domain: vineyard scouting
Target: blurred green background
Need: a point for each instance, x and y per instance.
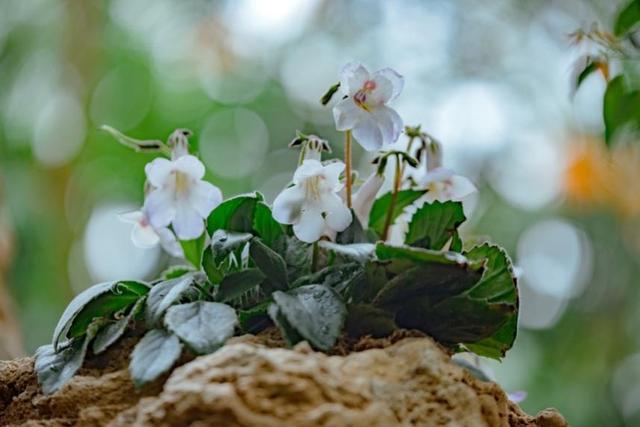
(491, 80)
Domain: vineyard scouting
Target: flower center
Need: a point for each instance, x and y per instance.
(360, 97)
(182, 184)
(312, 187)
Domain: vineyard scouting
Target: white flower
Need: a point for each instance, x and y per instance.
(365, 196)
(179, 197)
(312, 204)
(145, 236)
(443, 184)
(364, 111)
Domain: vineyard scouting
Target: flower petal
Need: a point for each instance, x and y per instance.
(308, 168)
(332, 173)
(389, 122)
(158, 170)
(367, 133)
(144, 237)
(159, 206)
(188, 224)
(461, 187)
(169, 243)
(310, 227)
(365, 196)
(133, 217)
(382, 92)
(337, 214)
(203, 197)
(347, 114)
(352, 77)
(436, 175)
(190, 165)
(288, 205)
(395, 79)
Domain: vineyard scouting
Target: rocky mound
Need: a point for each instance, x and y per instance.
(411, 382)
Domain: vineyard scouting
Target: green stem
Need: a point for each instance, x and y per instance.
(394, 195)
(314, 257)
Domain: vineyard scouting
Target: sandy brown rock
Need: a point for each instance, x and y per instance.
(409, 383)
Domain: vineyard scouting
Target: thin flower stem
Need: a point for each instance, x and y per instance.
(347, 161)
(404, 165)
(394, 195)
(314, 257)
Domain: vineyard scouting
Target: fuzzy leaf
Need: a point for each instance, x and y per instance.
(203, 326)
(109, 334)
(193, 249)
(289, 333)
(224, 242)
(256, 318)
(271, 264)
(213, 269)
(234, 214)
(163, 295)
(54, 369)
(316, 312)
(97, 301)
(364, 319)
(267, 228)
(359, 252)
(339, 277)
(627, 19)
(176, 271)
(238, 283)
(154, 355)
(434, 224)
(381, 206)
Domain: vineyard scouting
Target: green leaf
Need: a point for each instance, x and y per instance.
(193, 249)
(316, 312)
(290, 335)
(176, 271)
(434, 224)
(163, 295)
(339, 277)
(213, 270)
(365, 319)
(234, 214)
(387, 252)
(614, 108)
(359, 252)
(154, 355)
(203, 326)
(329, 94)
(271, 264)
(97, 301)
(298, 257)
(109, 334)
(627, 19)
(590, 65)
(256, 318)
(54, 369)
(382, 205)
(238, 283)
(224, 242)
(365, 286)
(267, 228)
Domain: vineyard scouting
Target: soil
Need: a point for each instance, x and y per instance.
(403, 380)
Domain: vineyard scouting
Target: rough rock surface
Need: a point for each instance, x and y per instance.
(409, 383)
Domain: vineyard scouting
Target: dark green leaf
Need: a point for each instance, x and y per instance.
(193, 249)
(163, 295)
(203, 326)
(97, 301)
(354, 233)
(238, 283)
(364, 319)
(213, 270)
(234, 214)
(339, 277)
(271, 264)
(434, 224)
(627, 19)
(614, 107)
(359, 252)
(382, 205)
(365, 286)
(316, 312)
(588, 65)
(109, 334)
(225, 242)
(290, 335)
(408, 253)
(176, 271)
(256, 318)
(298, 257)
(154, 355)
(329, 94)
(269, 230)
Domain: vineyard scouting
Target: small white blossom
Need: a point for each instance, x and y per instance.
(365, 196)
(443, 184)
(365, 111)
(179, 197)
(312, 203)
(145, 236)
